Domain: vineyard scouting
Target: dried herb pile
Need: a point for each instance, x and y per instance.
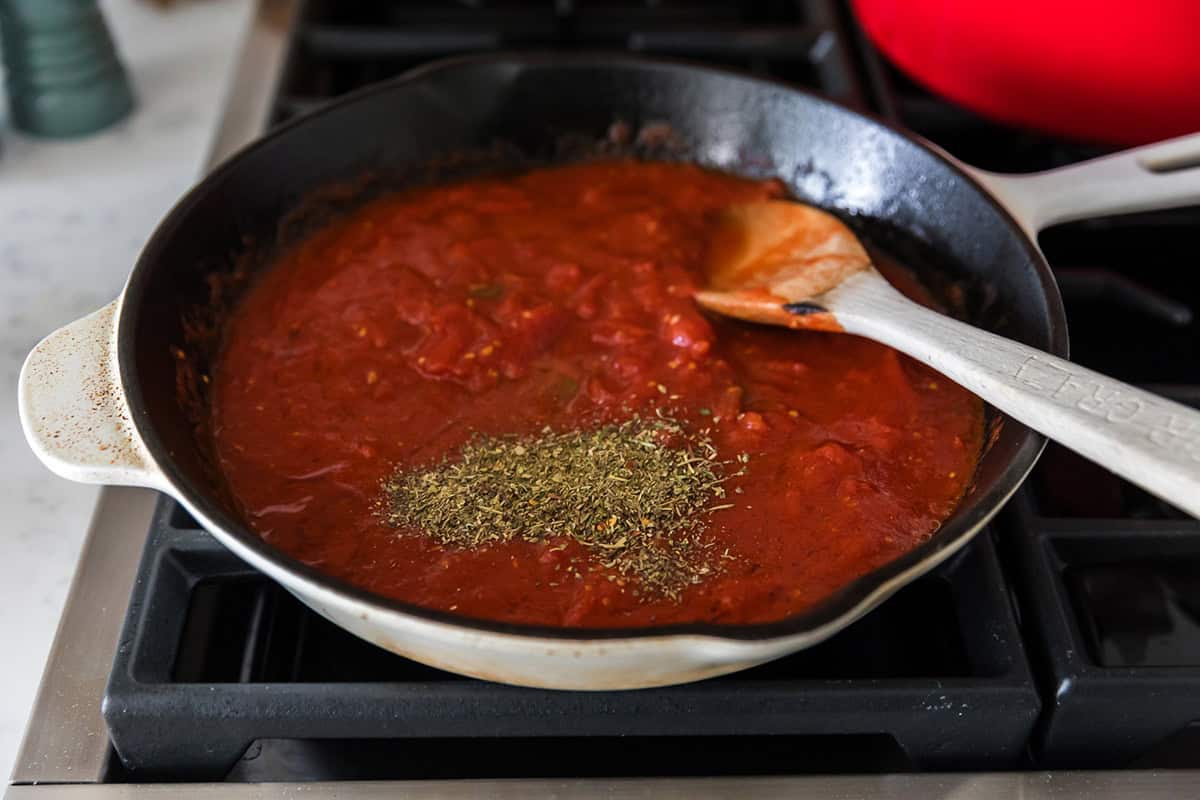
(635, 495)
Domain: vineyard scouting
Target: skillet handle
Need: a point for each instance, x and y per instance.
(73, 409)
(1146, 439)
(1157, 176)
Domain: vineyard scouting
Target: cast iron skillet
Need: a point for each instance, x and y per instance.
(113, 398)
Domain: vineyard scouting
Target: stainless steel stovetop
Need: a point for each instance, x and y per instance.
(67, 752)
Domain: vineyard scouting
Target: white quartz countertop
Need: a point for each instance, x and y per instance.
(73, 217)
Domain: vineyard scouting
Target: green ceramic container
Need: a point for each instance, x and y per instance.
(62, 73)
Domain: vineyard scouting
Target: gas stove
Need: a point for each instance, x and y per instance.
(1057, 656)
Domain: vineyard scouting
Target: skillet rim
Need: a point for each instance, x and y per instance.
(833, 613)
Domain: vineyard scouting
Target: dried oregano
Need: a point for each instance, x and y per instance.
(636, 495)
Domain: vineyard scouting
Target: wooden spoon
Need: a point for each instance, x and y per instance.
(785, 263)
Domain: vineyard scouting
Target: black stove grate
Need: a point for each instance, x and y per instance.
(217, 658)
(1113, 621)
(221, 674)
(341, 46)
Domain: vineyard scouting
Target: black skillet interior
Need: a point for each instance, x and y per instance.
(478, 113)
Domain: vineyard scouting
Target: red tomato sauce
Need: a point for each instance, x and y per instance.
(562, 297)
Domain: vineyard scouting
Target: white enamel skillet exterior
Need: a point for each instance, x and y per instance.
(77, 420)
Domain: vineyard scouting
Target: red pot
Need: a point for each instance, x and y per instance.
(1123, 73)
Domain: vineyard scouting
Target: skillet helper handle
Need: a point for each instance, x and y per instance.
(1157, 176)
(1146, 439)
(73, 409)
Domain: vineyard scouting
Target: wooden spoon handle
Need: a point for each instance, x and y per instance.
(1144, 438)
(1161, 175)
